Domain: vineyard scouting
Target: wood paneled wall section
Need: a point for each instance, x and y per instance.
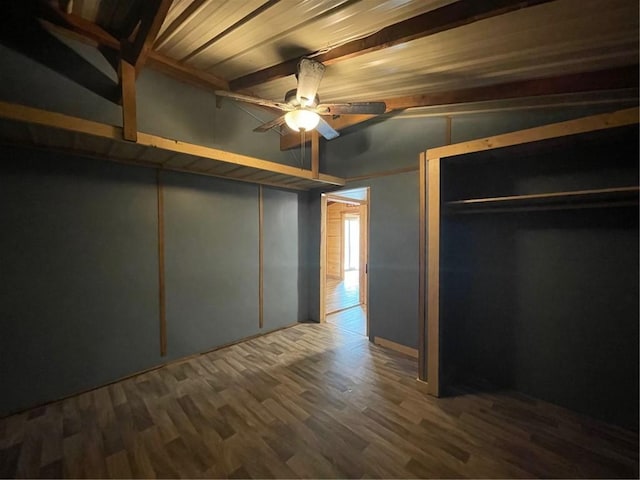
(335, 242)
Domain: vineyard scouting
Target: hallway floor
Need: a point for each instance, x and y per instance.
(341, 294)
(353, 319)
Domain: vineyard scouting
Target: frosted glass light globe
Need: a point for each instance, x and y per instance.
(302, 120)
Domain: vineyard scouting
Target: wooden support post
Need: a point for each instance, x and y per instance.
(315, 154)
(161, 287)
(129, 114)
(422, 278)
(448, 134)
(260, 257)
(433, 276)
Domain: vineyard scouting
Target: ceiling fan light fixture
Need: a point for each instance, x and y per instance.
(302, 120)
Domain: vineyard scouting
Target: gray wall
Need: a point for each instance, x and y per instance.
(211, 245)
(78, 261)
(393, 261)
(281, 259)
(79, 267)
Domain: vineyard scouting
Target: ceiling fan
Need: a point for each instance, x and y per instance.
(302, 105)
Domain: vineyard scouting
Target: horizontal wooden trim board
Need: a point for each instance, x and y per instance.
(592, 123)
(552, 195)
(34, 116)
(397, 347)
(552, 200)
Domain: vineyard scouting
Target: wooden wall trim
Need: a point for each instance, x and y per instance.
(260, 257)
(433, 276)
(592, 123)
(422, 275)
(129, 111)
(345, 200)
(25, 114)
(323, 256)
(161, 270)
(60, 121)
(396, 347)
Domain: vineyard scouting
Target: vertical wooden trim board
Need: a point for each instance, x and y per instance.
(323, 255)
(161, 287)
(433, 276)
(422, 262)
(129, 114)
(260, 258)
(363, 208)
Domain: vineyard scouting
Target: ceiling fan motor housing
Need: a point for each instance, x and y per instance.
(290, 98)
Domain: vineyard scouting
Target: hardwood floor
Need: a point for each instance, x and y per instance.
(353, 319)
(309, 401)
(342, 293)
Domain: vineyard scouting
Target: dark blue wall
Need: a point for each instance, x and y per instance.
(79, 270)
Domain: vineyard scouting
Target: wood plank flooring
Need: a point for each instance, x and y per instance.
(309, 401)
(353, 319)
(342, 293)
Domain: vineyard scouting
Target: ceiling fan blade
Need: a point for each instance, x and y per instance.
(276, 122)
(255, 100)
(310, 73)
(353, 108)
(326, 130)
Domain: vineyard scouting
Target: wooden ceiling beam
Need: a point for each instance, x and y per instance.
(435, 21)
(611, 79)
(626, 77)
(77, 25)
(81, 29)
(151, 19)
(185, 73)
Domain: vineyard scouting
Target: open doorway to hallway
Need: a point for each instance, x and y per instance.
(344, 259)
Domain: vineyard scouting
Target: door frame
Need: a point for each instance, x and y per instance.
(364, 252)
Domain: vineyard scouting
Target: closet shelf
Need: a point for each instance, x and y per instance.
(603, 197)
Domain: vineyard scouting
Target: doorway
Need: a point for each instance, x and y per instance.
(344, 259)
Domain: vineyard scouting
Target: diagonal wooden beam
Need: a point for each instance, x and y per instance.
(80, 29)
(185, 73)
(444, 18)
(60, 20)
(151, 19)
(611, 79)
